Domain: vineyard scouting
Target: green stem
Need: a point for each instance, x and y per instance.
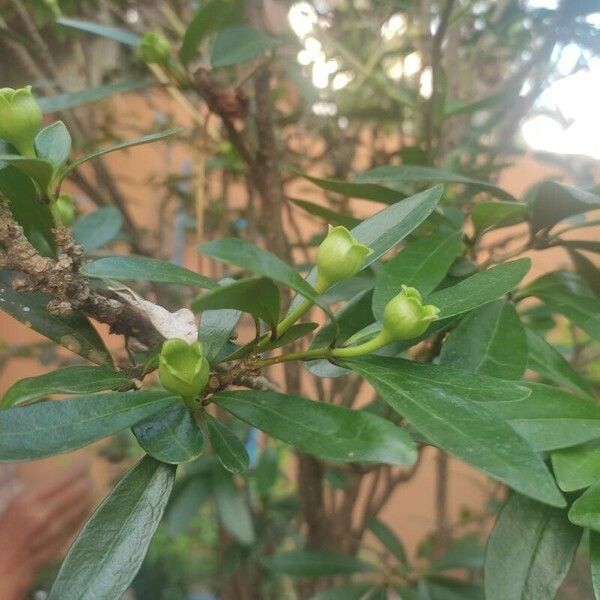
(381, 339)
(303, 355)
(320, 287)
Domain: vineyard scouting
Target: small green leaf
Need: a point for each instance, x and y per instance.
(61, 102)
(28, 211)
(239, 44)
(112, 33)
(445, 405)
(489, 340)
(491, 215)
(480, 288)
(314, 563)
(546, 360)
(216, 327)
(170, 435)
(325, 430)
(248, 256)
(228, 447)
(397, 176)
(47, 428)
(109, 551)
(257, 296)
(329, 216)
(569, 295)
(98, 228)
(53, 144)
(588, 271)
(232, 507)
(552, 202)
(209, 18)
(189, 495)
(365, 191)
(388, 538)
(145, 269)
(41, 171)
(146, 139)
(585, 511)
(69, 380)
(74, 332)
(529, 551)
(577, 468)
(422, 265)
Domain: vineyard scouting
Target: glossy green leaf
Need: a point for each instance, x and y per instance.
(397, 176)
(445, 406)
(209, 18)
(529, 551)
(98, 228)
(248, 256)
(47, 428)
(74, 332)
(552, 202)
(595, 562)
(29, 212)
(109, 551)
(257, 296)
(480, 288)
(550, 418)
(388, 538)
(61, 102)
(232, 507)
(146, 139)
(145, 269)
(216, 327)
(546, 360)
(585, 511)
(239, 44)
(422, 265)
(390, 226)
(228, 447)
(325, 430)
(577, 468)
(314, 563)
(489, 340)
(106, 31)
(68, 380)
(330, 216)
(171, 435)
(40, 171)
(491, 215)
(53, 144)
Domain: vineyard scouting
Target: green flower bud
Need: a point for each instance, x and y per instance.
(63, 210)
(182, 368)
(20, 119)
(405, 317)
(154, 48)
(340, 257)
